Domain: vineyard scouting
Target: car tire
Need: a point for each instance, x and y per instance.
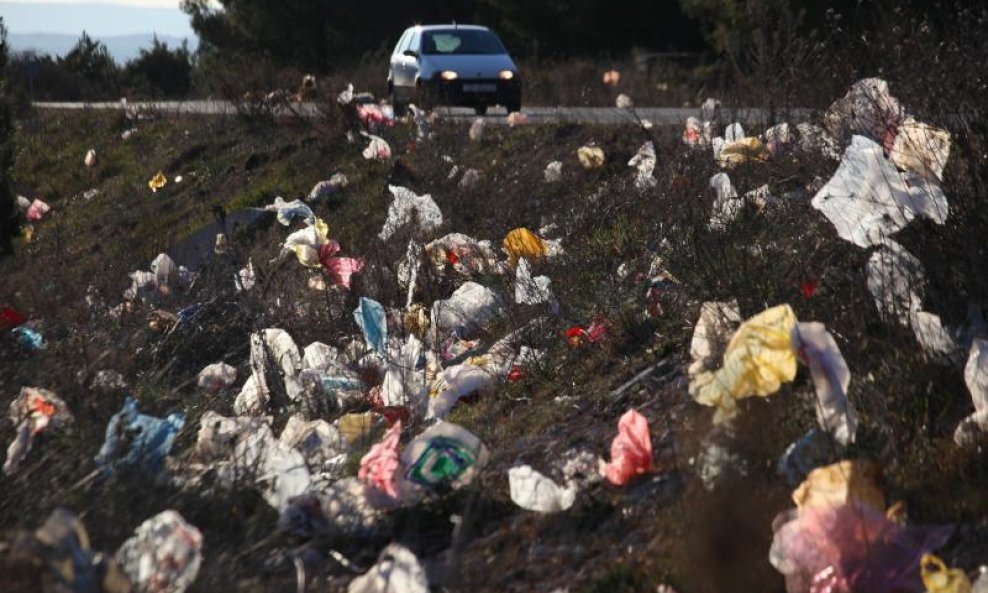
(480, 110)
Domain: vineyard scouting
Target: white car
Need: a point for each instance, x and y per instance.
(458, 65)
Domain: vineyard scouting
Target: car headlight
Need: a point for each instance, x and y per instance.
(506, 75)
(449, 75)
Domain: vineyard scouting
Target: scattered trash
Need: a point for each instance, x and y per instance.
(533, 491)
(470, 308)
(644, 162)
(444, 456)
(377, 148)
(553, 172)
(371, 319)
(465, 254)
(623, 102)
(975, 426)
(286, 211)
(591, 157)
(529, 290)
(516, 118)
(397, 571)
(32, 412)
(138, 441)
(831, 377)
(339, 270)
(162, 556)
(866, 110)
(29, 338)
(379, 468)
(217, 377)
(476, 131)
(523, 243)
(307, 243)
(727, 205)
(408, 207)
(157, 182)
(631, 450)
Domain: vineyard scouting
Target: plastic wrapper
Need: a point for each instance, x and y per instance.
(274, 357)
(37, 210)
(471, 307)
(727, 205)
(529, 290)
(757, 361)
(32, 412)
(288, 211)
(371, 319)
(163, 555)
(693, 132)
(938, 578)
(533, 491)
(921, 149)
(831, 378)
(465, 254)
(848, 482)
(897, 282)
(521, 242)
(867, 110)
(339, 270)
(379, 468)
(138, 441)
(444, 456)
(975, 426)
(644, 162)
(157, 182)
(397, 571)
(377, 149)
(868, 200)
(591, 157)
(217, 377)
(778, 139)
(408, 207)
(458, 381)
(553, 172)
(631, 450)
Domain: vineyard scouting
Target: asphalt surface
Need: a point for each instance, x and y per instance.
(536, 115)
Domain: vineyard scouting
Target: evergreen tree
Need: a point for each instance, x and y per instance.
(8, 211)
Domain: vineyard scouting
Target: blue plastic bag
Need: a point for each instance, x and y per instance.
(138, 441)
(369, 315)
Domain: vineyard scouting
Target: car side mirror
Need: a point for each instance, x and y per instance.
(411, 53)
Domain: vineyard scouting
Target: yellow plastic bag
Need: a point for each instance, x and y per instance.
(308, 241)
(741, 151)
(841, 483)
(758, 360)
(522, 242)
(591, 157)
(157, 182)
(937, 578)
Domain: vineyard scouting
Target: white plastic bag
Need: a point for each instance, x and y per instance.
(533, 491)
(976, 378)
(162, 556)
(397, 571)
(406, 207)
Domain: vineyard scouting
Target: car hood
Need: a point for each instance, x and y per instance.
(468, 66)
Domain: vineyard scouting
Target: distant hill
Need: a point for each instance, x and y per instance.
(121, 47)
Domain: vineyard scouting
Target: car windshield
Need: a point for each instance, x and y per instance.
(461, 41)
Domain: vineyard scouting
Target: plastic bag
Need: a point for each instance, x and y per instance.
(458, 381)
(218, 436)
(516, 118)
(157, 182)
(831, 378)
(758, 359)
(138, 441)
(848, 482)
(591, 157)
(521, 242)
(329, 187)
(976, 378)
(553, 172)
(896, 281)
(371, 319)
(470, 308)
(867, 109)
(631, 450)
(29, 338)
(937, 578)
(162, 556)
(217, 377)
(90, 159)
(32, 412)
(279, 472)
(727, 206)
(921, 149)
(287, 211)
(11, 318)
(379, 467)
(306, 243)
(476, 131)
(377, 149)
(276, 346)
(740, 151)
(444, 456)
(777, 139)
(465, 254)
(644, 162)
(533, 491)
(868, 200)
(397, 571)
(623, 102)
(406, 207)
(37, 210)
(693, 132)
(339, 270)
(319, 442)
(529, 290)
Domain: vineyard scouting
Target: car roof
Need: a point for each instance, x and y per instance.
(449, 26)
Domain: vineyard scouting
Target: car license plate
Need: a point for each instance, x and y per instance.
(479, 88)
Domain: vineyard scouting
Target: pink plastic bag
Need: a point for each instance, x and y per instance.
(338, 269)
(37, 210)
(379, 466)
(631, 450)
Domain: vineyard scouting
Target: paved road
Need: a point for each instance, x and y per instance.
(587, 115)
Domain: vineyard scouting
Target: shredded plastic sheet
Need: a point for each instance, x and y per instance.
(444, 456)
(306, 243)
(371, 319)
(938, 578)
(379, 467)
(471, 307)
(217, 377)
(533, 491)
(727, 205)
(644, 162)
(529, 290)
(867, 110)
(848, 482)
(157, 182)
(339, 270)
(162, 556)
(758, 359)
(329, 187)
(845, 549)
(37, 210)
(631, 450)
(921, 149)
(476, 131)
(897, 282)
(553, 172)
(521, 242)
(831, 378)
(377, 148)
(397, 571)
(288, 211)
(975, 426)
(590, 157)
(32, 412)
(218, 435)
(138, 441)
(408, 207)
(465, 254)
(868, 200)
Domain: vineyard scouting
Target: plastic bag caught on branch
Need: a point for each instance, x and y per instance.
(408, 207)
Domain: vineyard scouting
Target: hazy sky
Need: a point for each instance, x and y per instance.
(123, 17)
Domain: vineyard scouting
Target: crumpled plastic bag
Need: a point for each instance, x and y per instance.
(404, 384)
(976, 378)
(623, 102)
(377, 149)
(397, 571)
(470, 308)
(897, 282)
(533, 491)
(529, 290)
(307, 242)
(777, 139)
(465, 254)
(138, 441)
(936, 340)
(938, 578)
(278, 471)
(831, 378)
(553, 172)
(742, 150)
(712, 331)
(287, 211)
(590, 157)
(848, 482)
(328, 187)
(849, 548)
(37, 210)
(218, 435)
(371, 319)
(521, 242)
(406, 207)
(446, 455)
(727, 205)
(29, 338)
(476, 131)
(631, 450)
(157, 182)
(339, 270)
(90, 158)
(32, 412)
(921, 149)
(217, 377)
(693, 132)
(644, 162)
(10, 317)
(379, 467)
(374, 116)
(868, 200)
(320, 443)
(162, 556)
(516, 118)
(255, 395)
(477, 373)
(758, 359)
(867, 110)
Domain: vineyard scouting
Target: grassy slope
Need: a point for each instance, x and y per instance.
(632, 538)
